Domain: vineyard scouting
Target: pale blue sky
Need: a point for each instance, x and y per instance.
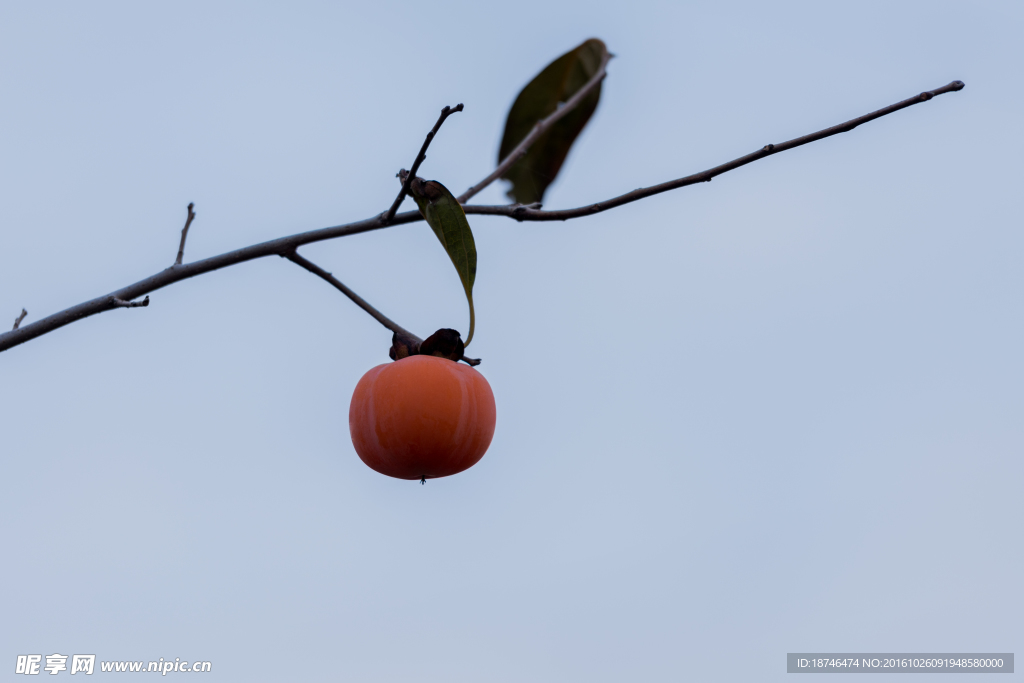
(778, 412)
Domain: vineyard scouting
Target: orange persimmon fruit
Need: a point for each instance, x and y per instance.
(421, 417)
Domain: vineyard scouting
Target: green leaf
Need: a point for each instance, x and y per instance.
(445, 216)
(531, 175)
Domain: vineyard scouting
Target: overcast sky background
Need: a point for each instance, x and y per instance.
(779, 412)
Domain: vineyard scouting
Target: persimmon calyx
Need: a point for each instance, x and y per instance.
(445, 343)
(403, 346)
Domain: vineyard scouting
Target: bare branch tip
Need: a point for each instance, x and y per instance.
(184, 234)
(390, 213)
(17, 321)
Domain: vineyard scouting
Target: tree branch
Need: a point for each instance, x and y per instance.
(523, 147)
(387, 322)
(168, 276)
(526, 213)
(184, 234)
(445, 113)
(17, 321)
(359, 301)
(285, 245)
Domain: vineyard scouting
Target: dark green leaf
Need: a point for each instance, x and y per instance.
(531, 175)
(445, 216)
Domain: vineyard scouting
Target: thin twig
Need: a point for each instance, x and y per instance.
(121, 303)
(359, 301)
(445, 113)
(283, 245)
(17, 321)
(184, 234)
(523, 147)
(523, 213)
